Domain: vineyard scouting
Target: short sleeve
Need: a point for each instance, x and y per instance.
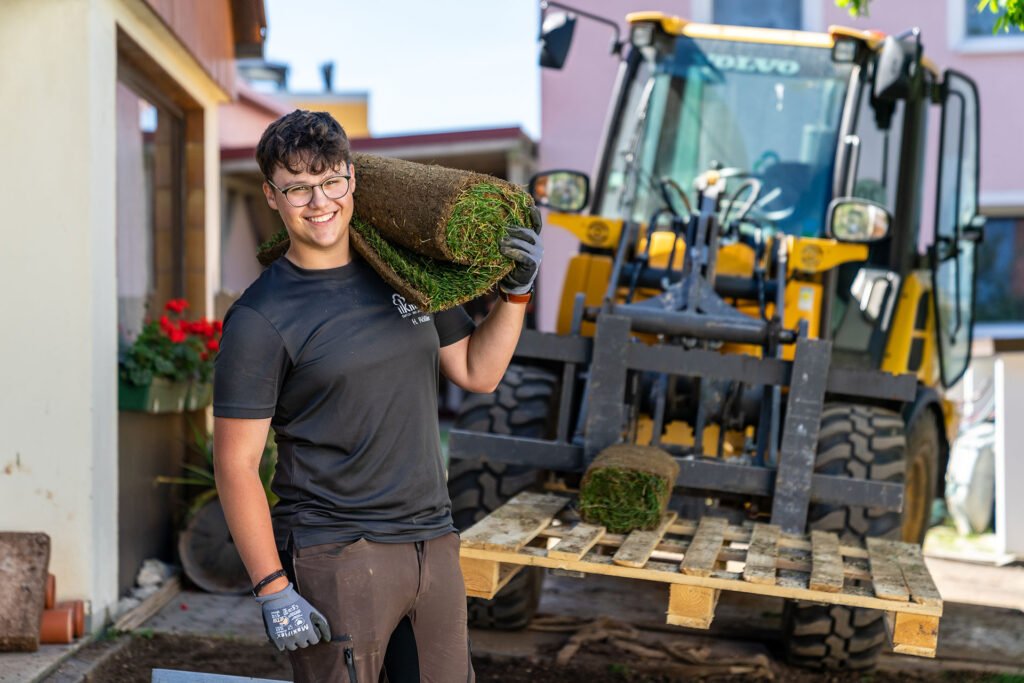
(250, 366)
(453, 325)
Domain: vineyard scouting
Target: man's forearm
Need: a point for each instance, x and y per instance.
(248, 517)
(493, 343)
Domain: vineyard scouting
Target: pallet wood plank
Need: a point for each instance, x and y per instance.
(703, 552)
(638, 546)
(826, 562)
(886, 574)
(915, 573)
(913, 634)
(762, 554)
(484, 578)
(515, 523)
(691, 606)
(578, 542)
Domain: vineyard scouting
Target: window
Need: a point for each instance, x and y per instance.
(1000, 295)
(783, 14)
(878, 164)
(971, 30)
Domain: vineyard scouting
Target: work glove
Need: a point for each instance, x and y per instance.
(291, 622)
(524, 246)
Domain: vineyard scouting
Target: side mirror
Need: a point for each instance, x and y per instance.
(851, 219)
(895, 69)
(555, 39)
(565, 191)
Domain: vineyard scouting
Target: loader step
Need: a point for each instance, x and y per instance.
(698, 560)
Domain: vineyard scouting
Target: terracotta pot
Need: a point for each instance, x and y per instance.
(57, 627)
(77, 608)
(51, 591)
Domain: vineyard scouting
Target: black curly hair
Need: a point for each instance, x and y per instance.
(311, 141)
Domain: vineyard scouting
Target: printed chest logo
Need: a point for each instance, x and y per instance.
(409, 311)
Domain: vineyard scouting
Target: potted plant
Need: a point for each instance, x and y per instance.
(169, 365)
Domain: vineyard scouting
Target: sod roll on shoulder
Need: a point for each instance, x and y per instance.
(431, 232)
(628, 487)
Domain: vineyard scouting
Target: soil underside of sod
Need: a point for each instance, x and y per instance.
(600, 664)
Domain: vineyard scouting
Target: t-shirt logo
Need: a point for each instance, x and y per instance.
(407, 310)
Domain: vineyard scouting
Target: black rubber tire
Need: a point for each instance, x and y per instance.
(921, 482)
(864, 442)
(522, 405)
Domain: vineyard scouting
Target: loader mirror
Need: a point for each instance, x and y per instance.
(852, 219)
(565, 191)
(555, 39)
(895, 68)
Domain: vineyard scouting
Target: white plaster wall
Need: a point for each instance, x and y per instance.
(58, 407)
(58, 416)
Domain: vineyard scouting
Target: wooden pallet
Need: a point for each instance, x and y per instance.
(699, 560)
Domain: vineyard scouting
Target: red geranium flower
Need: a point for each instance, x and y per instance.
(213, 345)
(176, 305)
(176, 335)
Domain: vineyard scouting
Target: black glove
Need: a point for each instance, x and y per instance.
(291, 622)
(524, 246)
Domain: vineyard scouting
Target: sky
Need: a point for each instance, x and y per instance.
(428, 65)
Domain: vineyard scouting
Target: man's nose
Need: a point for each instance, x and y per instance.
(319, 198)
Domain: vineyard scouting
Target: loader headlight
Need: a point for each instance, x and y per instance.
(851, 219)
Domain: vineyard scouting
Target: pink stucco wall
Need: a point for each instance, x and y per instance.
(574, 103)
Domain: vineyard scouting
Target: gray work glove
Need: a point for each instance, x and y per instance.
(291, 622)
(524, 246)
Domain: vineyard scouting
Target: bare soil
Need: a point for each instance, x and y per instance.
(134, 664)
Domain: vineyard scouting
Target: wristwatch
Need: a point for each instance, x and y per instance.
(516, 298)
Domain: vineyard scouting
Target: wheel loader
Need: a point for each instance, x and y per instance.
(760, 291)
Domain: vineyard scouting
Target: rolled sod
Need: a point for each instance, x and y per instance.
(431, 232)
(627, 487)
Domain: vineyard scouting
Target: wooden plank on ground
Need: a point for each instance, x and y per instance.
(638, 546)
(702, 554)
(691, 606)
(913, 634)
(578, 542)
(762, 554)
(135, 617)
(515, 523)
(915, 573)
(886, 575)
(826, 563)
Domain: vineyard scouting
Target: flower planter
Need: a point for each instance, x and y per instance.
(160, 396)
(200, 395)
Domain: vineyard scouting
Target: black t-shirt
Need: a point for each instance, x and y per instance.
(349, 372)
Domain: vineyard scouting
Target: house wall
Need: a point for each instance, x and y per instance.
(58, 413)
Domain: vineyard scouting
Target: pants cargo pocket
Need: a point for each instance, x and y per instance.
(344, 641)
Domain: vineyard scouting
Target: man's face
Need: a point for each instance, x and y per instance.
(321, 225)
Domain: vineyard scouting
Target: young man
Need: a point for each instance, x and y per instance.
(318, 349)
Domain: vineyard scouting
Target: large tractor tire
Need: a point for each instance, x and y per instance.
(855, 441)
(522, 405)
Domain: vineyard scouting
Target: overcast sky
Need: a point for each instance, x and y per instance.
(428, 65)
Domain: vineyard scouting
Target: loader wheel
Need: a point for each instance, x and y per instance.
(522, 405)
(864, 442)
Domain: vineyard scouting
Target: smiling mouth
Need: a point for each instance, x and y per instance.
(321, 219)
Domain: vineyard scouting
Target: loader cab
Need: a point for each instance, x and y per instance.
(814, 119)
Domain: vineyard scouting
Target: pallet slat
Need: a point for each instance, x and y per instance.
(762, 554)
(826, 563)
(638, 546)
(886, 574)
(703, 552)
(515, 523)
(578, 542)
(915, 574)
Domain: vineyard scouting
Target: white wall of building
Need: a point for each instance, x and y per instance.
(58, 407)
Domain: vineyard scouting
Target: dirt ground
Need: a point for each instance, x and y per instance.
(134, 664)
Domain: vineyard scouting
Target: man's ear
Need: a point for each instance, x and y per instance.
(352, 178)
(268, 192)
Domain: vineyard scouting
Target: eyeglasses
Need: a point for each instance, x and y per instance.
(298, 196)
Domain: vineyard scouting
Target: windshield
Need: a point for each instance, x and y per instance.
(767, 111)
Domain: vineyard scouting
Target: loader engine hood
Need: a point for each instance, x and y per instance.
(763, 110)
